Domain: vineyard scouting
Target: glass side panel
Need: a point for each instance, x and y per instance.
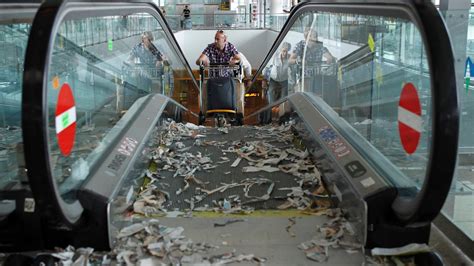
(101, 71)
(13, 41)
(373, 72)
(459, 206)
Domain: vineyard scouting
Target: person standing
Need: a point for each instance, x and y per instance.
(220, 51)
(145, 64)
(186, 22)
(313, 52)
(277, 74)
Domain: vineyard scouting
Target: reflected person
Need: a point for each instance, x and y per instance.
(314, 52)
(148, 63)
(276, 75)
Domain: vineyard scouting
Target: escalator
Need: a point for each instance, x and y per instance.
(114, 163)
(366, 111)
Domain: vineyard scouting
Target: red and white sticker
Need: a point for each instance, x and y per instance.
(409, 118)
(65, 120)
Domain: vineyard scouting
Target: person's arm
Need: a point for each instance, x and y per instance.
(293, 59)
(234, 59)
(202, 59)
(247, 70)
(162, 60)
(298, 51)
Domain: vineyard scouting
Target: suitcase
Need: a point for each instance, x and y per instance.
(221, 94)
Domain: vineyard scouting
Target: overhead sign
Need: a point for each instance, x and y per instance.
(65, 121)
(409, 118)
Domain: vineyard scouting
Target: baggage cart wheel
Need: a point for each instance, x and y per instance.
(219, 120)
(46, 260)
(202, 119)
(239, 119)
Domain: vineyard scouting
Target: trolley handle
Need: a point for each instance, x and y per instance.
(219, 64)
(222, 66)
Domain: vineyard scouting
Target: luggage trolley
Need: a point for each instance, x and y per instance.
(220, 93)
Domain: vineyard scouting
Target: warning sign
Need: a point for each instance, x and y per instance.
(409, 118)
(65, 120)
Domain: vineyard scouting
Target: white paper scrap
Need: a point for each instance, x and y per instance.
(236, 162)
(409, 249)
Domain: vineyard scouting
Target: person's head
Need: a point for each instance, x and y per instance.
(147, 38)
(220, 39)
(311, 36)
(186, 6)
(285, 49)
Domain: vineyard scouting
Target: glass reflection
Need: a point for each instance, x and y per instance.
(111, 65)
(13, 41)
(358, 65)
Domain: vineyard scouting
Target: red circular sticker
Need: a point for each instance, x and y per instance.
(409, 118)
(65, 120)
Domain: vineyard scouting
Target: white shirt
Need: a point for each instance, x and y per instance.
(279, 71)
(246, 65)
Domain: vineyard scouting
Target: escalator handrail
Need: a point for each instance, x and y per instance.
(35, 135)
(445, 128)
(34, 123)
(445, 115)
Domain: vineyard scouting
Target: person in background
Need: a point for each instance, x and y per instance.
(314, 52)
(247, 76)
(186, 20)
(276, 75)
(147, 62)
